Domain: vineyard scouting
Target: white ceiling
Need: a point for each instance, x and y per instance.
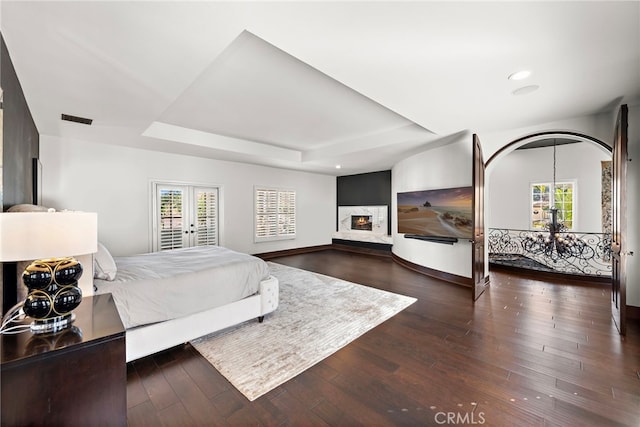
(308, 85)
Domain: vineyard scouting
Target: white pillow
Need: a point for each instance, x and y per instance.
(104, 267)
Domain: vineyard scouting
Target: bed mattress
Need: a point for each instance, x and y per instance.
(159, 286)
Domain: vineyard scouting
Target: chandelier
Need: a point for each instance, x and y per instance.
(557, 244)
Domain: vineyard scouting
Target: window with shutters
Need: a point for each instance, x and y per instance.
(275, 211)
(184, 216)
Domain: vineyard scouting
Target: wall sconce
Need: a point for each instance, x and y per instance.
(52, 280)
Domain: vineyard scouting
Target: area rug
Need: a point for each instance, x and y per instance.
(317, 316)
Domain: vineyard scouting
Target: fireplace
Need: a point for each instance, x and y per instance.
(361, 222)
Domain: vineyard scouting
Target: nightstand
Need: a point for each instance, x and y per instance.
(75, 377)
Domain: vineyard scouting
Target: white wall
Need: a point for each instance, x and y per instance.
(115, 182)
(443, 167)
(508, 203)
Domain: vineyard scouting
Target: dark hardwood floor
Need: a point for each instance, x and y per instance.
(528, 352)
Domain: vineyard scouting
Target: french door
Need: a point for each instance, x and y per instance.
(477, 243)
(184, 216)
(619, 222)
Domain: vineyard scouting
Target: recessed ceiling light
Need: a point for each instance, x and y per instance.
(520, 75)
(338, 166)
(525, 90)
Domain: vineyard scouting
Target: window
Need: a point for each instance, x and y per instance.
(564, 196)
(275, 214)
(184, 216)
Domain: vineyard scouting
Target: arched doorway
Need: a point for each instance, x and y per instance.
(617, 243)
(523, 193)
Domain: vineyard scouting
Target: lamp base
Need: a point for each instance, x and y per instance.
(52, 325)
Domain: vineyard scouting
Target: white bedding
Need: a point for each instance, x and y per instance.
(159, 286)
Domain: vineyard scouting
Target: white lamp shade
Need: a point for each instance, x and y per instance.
(37, 235)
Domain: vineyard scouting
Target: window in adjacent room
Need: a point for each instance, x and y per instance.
(275, 211)
(564, 195)
(184, 216)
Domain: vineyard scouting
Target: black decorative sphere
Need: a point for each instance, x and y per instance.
(67, 271)
(38, 305)
(66, 299)
(38, 275)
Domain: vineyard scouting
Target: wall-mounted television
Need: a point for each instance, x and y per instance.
(441, 213)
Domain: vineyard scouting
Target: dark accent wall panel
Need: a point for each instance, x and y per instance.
(366, 189)
(20, 137)
(21, 143)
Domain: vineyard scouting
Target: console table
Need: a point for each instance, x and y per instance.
(77, 376)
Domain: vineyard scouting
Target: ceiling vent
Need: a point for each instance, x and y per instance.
(76, 119)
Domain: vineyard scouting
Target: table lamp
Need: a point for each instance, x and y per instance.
(51, 238)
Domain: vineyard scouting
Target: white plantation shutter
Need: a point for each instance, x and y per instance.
(287, 213)
(275, 214)
(171, 218)
(266, 213)
(207, 216)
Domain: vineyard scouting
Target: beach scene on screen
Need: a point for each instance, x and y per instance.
(442, 212)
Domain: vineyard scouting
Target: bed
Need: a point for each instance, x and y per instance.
(171, 297)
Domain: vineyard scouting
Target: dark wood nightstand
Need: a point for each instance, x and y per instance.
(77, 376)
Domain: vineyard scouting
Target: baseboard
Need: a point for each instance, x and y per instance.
(447, 277)
(335, 246)
(295, 251)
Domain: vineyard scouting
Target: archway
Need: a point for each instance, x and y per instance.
(511, 206)
(519, 142)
